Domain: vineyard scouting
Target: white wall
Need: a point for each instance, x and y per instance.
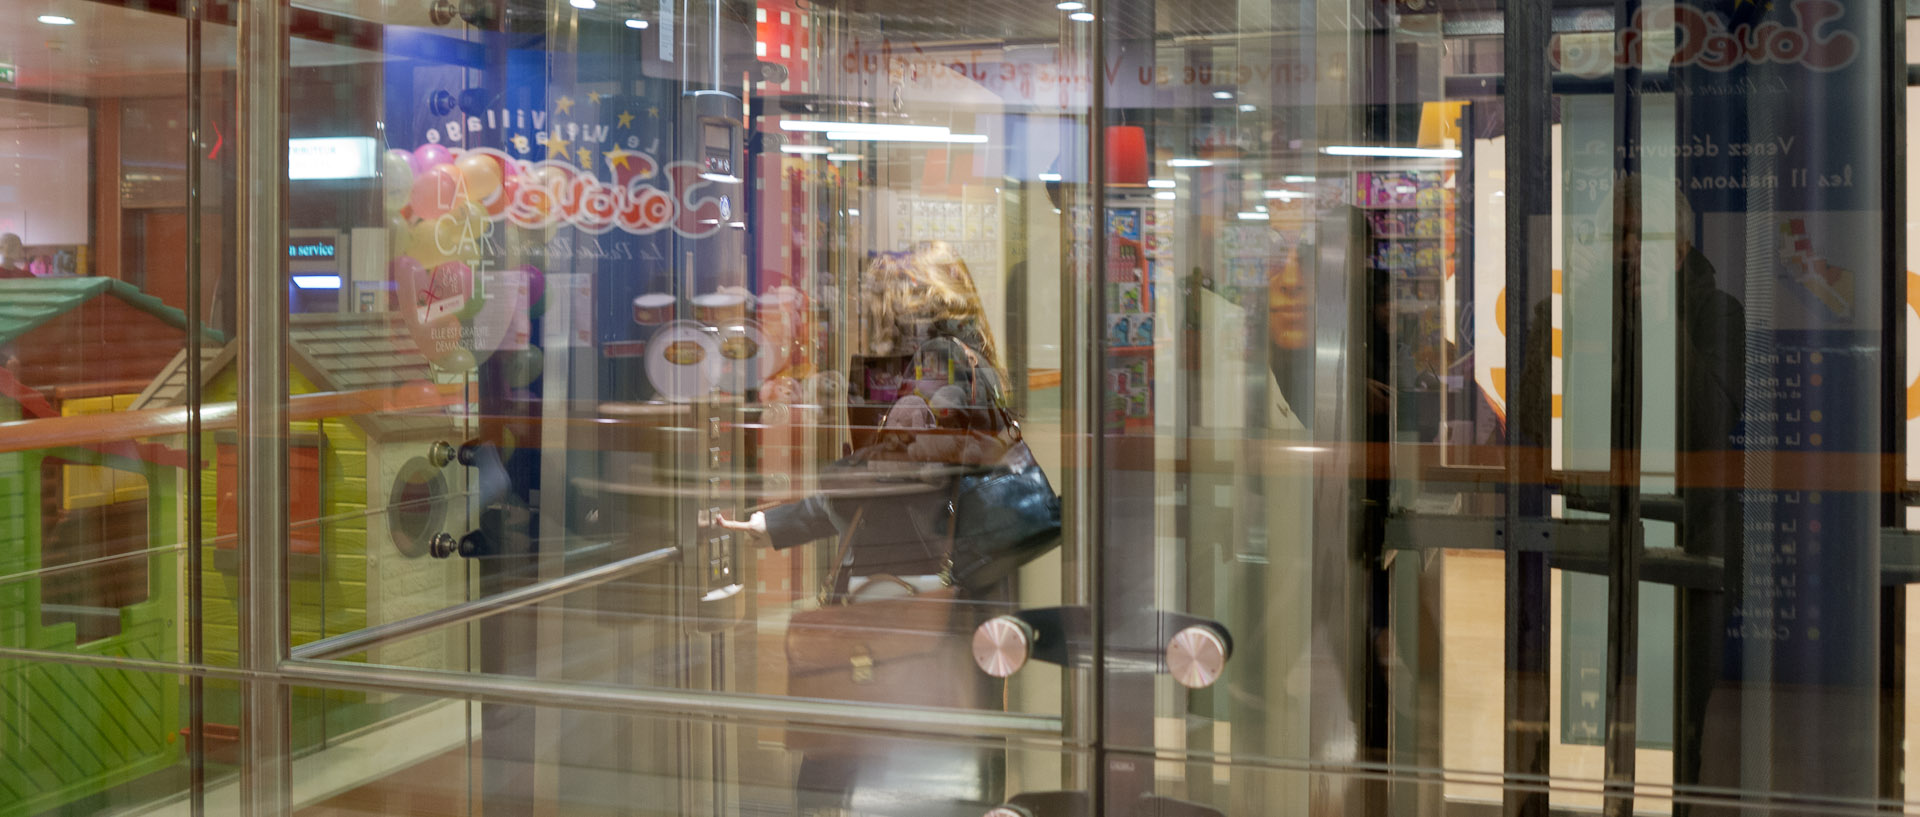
(43, 184)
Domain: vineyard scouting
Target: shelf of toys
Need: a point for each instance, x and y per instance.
(1134, 245)
(1412, 217)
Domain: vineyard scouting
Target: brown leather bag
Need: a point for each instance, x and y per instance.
(913, 649)
(905, 650)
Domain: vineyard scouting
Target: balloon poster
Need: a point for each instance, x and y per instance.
(496, 179)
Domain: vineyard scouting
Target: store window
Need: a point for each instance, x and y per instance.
(771, 407)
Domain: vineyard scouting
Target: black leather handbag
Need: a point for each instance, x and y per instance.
(1002, 519)
(1008, 515)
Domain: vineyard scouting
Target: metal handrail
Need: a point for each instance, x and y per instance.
(361, 639)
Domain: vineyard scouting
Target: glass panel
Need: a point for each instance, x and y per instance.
(448, 760)
(672, 331)
(1204, 786)
(84, 739)
(98, 257)
(1527, 415)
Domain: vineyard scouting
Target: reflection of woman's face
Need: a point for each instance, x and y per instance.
(1287, 297)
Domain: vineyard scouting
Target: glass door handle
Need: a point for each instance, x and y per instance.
(1002, 645)
(1070, 803)
(1195, 654)
(1064, 803)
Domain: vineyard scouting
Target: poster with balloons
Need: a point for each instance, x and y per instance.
(497, 175)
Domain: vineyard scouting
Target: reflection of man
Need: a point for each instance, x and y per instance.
(13, 257)
(1711, 374)
(1289, 332)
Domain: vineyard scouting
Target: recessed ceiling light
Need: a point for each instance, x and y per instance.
(1165, 195)
(1081, 16)
(843, 157)
(1246, 108)
(1189, 163)
(635, 22)
(1070, 5)
(1160, 183)
(876, 129)
(56, 20)
(814, 150)
(585, 5)
(1222, 94)
(1049, 177)
(1390, 151)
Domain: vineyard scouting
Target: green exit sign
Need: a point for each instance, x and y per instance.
(6, 73)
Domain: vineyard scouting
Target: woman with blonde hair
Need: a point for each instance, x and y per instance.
(929, 522)
(922, 305)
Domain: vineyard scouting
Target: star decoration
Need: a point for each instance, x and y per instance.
(593, 97)
(557, 147)
(563, 105)
(617, 159)
(626, 119)
(520, 144)
(654, 112)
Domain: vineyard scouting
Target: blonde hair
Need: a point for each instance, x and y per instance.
(909, 297)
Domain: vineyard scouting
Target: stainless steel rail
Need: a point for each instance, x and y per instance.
(349, 643)
(735, 707)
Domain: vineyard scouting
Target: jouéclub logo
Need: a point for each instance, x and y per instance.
(1810, 36)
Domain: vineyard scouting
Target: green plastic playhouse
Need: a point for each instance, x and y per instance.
(89, 535)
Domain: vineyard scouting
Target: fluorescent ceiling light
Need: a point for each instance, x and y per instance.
(852, 212)
(56, 20)
(1296, 179)
(1189, 163)
(317, 281)
(1165, 195)
(584, 5)
(1222, 94)
(1070, 5)
(335, 157)
(1244, 108)
(813, 150)
(1081, 16)
(869, 136)
(878, 130)
(1283, 195)
(635, 22)
(1387, 151)
(1160, 183)
(1250, 216)
(1049, 177)
(843, 157)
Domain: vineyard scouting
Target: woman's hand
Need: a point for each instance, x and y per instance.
(754, 529)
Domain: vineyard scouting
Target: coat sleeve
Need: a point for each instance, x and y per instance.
(797, 523)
